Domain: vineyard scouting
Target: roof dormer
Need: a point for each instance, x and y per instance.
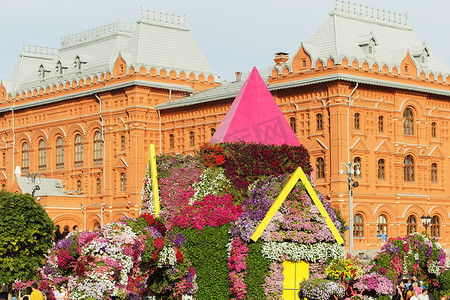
(42, 70)
(367, 44)
(60, 67)
(421, 54)
(79, 60)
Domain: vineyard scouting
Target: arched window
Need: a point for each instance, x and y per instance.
(42, 155)
(380, 124)
(4, 158)
(381, 170)
(99, 186)
(25, 157)
(96, 226)
(4, 187)
(213, 130)
(434, 173)
(319, 122)
(435, 230)
(320, 167)
(408, 169)
(382, 224)
(408, 121)
(411, 225)
(357, 160)
(358, 226)
(122, 143)
(123, 182)
(191, 139)
(59, 153)
(79, 187)
(356, 120)
(293, 125)
(78, 150)
(433, 129)
(171, 141)
(98, 148)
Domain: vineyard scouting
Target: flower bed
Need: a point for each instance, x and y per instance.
(128, 259)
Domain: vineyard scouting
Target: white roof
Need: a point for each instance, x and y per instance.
(157, 40)
(350, 25)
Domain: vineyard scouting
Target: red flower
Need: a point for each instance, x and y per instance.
(179, 256)
(159, 243)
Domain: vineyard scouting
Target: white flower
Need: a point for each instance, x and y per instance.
(211, 182)
(298, 252)
(167, 255)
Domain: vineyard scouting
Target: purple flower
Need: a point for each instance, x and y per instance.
(177, 239)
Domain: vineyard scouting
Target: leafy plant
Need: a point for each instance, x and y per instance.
(26, 234)
(257, 269)
(344, 269)
(208, 254)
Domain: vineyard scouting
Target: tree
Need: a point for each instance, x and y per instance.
(26, 234)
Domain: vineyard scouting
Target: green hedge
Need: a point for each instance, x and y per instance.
(207, 250)
(257, 270)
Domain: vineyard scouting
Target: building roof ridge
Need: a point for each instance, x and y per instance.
(163, 19)
(97, 32)
(28, 49)
(347, 8)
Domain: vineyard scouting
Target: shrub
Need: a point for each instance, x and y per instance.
(257, 269)
(208, 254)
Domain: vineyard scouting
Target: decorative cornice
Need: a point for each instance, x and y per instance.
(363, 80)
(226, 93)
(95, 91)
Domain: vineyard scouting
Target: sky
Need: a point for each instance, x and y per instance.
(233, 35)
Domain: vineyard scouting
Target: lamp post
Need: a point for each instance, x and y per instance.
(84, 215)
(351, 169)
(35, 180)
(426, 222)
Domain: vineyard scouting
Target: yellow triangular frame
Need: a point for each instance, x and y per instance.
(298, 175)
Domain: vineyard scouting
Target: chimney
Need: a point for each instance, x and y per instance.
(238, 76)
(281, 58)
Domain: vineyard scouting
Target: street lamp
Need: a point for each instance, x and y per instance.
(351, 169)
(426, 222)
(34, 179)
(84, 215)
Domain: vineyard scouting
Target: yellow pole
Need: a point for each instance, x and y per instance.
(153, 173)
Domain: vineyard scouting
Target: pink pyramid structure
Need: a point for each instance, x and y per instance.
(255, 117)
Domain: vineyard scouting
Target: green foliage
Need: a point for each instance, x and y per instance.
(257, 270)
(208, 255)
(341, 220)
(444, 280)
(26, 234)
